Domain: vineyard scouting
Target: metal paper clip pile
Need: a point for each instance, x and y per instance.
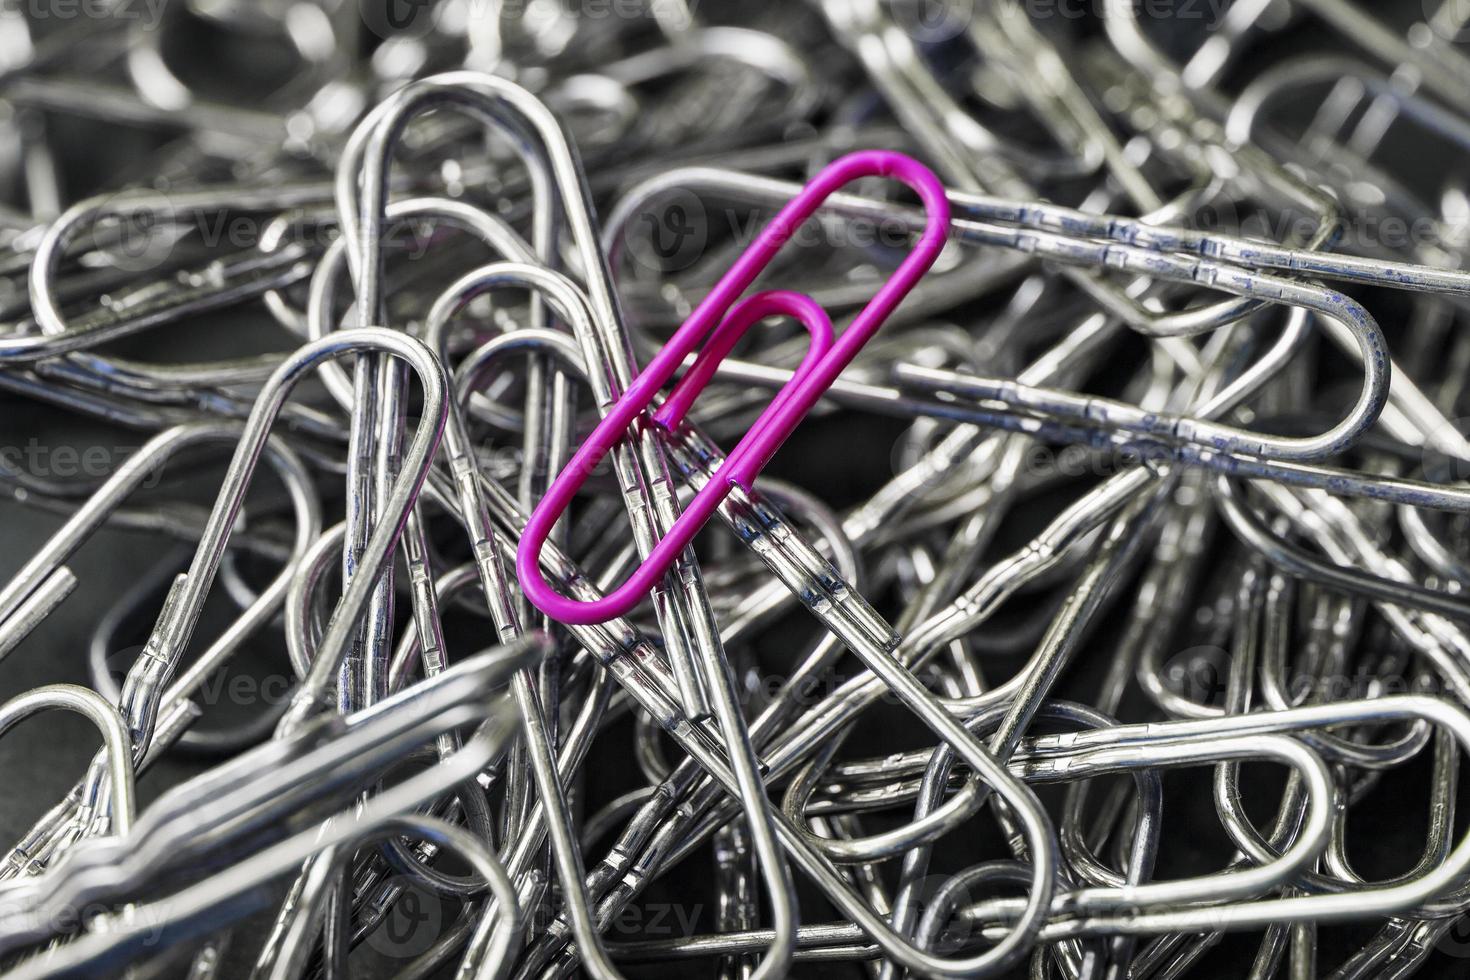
(1101, 614)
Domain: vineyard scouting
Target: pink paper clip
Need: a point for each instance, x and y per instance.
(720, 319)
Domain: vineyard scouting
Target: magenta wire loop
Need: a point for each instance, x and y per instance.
(721, 322)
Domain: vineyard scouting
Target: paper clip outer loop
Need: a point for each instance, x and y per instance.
(823, 363)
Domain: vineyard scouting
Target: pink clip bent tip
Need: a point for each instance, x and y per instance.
(722, 321)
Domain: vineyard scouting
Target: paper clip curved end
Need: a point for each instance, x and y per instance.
(718, 324)
(742, 316)
(533, 583)
(905, 169)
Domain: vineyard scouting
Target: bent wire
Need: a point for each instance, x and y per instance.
(1094, 606)
(715, 322)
